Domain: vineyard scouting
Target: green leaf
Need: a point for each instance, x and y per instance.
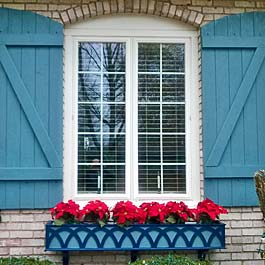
(59, 222)
(171, 219)
(101, 223)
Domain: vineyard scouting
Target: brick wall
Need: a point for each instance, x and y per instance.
(195, 12)
(22, 233)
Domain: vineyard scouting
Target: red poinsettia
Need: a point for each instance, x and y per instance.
(178, 212)
(155, 212)
(207, 211)
(96, 212)
(65, 212)
(125, 213)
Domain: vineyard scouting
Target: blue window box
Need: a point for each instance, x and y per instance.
(138, 237)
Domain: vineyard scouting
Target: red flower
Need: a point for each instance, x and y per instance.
(178, 212)
(155, 212)
(207, 211)
(125, 213)
(95, 211)
(65, 212)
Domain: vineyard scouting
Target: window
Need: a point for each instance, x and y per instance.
(132, 100)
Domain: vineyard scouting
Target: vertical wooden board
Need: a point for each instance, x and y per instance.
(250, 129)
(27, 134)
(220, 27)
(42, 24)
(12, 195)
(13, 118)
(208, 30)
(41, 195)
(29, 22)
(250, 117)
(211, 189)
(28, 58)
(260, 114)
(27, 194)
(3, 21)
(56, 99)
(208, 94)
(222, 96)
(233, 26)
(42, 97)
(2, 192)
(247, 25)
(3, 116)
(222, 83)
(235, 78)
(238, 191)
(251, 196)
(55, 193)
(259, 20)
(225, 191)
(42, 85)
(14, 21)
(209, 102)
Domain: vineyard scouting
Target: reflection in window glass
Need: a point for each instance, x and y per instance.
(101, 117)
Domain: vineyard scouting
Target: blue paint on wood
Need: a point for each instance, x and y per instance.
(31, 40)
(233, 42)
(31, 52)
(30, 173)
(236, 108)
(28, 107)
(235, 150)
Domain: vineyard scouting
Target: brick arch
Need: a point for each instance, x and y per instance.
(154, 7)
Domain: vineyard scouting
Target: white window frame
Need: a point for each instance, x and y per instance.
(164, 33)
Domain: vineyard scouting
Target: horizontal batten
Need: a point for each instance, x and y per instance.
(233, 42)
(31, 39)
(11, 174)
(231, 172)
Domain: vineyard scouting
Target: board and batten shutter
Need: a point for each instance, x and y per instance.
(233, 87)
(30, 110)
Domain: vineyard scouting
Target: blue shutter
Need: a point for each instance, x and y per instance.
(30, 110)
(233, 78)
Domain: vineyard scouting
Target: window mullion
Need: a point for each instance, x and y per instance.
(100, 181)
(161, 125)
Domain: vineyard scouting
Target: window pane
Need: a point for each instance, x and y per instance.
(114, 118)
(114, 148)
(114, 179)
(173, 118)
(114, 87)
(149, 148)
(174, 148)
(148, 88)
(88, 176)
(88, 148)
(89, 117)
(149, 178)
(174, 179)
(89, 56)
(89, 87)
(114, 57)
(173, 88)
(148, 57)
(149, 118)
(173, 57)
